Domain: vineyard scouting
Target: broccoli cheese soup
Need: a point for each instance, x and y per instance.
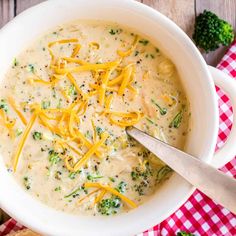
(65, 104)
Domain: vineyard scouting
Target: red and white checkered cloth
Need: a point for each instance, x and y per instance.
(199, 215)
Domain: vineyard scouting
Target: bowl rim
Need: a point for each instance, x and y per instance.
(181, 36)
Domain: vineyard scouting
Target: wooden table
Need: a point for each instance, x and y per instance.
(183, 12)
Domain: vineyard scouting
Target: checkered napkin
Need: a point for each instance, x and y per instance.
(199, 215)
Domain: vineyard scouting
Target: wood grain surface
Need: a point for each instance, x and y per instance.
(6, 11)
(21, 5)
(182, 12)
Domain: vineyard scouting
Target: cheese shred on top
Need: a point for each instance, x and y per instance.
(23, 140)
(112, 191)
(65, 122)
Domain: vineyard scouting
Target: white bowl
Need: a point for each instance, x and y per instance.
(197, 81)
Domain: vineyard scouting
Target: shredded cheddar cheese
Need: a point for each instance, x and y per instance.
(108, 103)
(168, 100)
(78, 89)
(18, 112)
(86, 67)
(65, 94)
(124, 119)
(94, 131)
(75, 148)
(37, 79)
(71, 122)
(90, 152)
(102, 89)
(146, 75)
(73, 60)
(9, 124)
(76, 50)
(112, 191)
(94, 45)
(115, 81)
(88, 195)
(63, 41)
(82, 108)
(132, 89)
(94, 86)
(100, 196)
(23, 140)
(126, 79)
(67, 161)
(86, 142)
(48, 125)
(129, 51)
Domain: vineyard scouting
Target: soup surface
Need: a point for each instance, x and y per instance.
(65, 104)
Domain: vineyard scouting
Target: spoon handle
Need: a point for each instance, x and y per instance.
(207, 179)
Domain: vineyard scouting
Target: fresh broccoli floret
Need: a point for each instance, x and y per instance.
(54, 157)
(211, 32)
(3, 105)
(183, 233)
(121, 187)
(37, 135)
(93, 177)
(45, 104)
(109, 206)
(72, 91)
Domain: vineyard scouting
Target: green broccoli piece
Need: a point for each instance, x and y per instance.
(211, 32)
(54, 157)
(72, 91)
(45, 104)
(3, 105)
(93, 177)
(176, 120)
(27, 182)
(183, 233)
(109, 206)
(121, 187)
(37, 135)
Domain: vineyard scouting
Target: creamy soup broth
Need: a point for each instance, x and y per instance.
(67, 104)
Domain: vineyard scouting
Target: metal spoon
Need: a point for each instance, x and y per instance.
(207, 179)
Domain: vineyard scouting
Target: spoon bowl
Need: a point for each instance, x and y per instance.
(206, 178)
